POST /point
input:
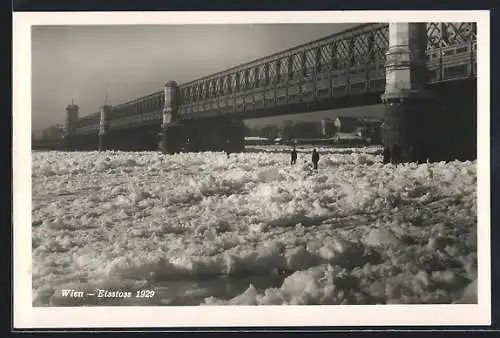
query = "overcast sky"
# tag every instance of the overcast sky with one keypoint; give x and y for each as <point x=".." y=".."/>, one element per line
<point x="133" y="61"/>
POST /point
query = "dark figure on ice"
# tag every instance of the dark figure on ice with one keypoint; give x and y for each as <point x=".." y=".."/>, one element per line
<point x="294" y="155"/>
<point x="315" y="159"/>
<point x="228" y="151"/>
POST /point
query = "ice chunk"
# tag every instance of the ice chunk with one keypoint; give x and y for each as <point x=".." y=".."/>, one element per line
<point x="382" y="237"/>
<point x="469" y="295"/>
<point x="246" y="298"/>
<point x="299" y="259"/>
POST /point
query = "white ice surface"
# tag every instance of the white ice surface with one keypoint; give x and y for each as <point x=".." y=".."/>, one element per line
<point x="202" y="229"/>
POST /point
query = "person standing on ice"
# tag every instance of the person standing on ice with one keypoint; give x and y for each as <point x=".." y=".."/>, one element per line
<point x="228" y="151"/>
<point x="294" y="155"/>
<point x="315" y="159"/>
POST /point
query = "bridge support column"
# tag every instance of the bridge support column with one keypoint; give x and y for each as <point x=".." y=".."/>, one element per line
<point x="68" y="140"/>
<point x="406" y="97"/>
<point x="172" y="138"/>
<point x="103" y="143"/>
<point x="171" y="130"/>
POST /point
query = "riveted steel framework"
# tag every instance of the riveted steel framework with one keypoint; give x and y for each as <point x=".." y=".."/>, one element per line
<point x="341" y="65"/>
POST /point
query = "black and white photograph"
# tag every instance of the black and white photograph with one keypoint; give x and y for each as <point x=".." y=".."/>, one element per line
<point x="267" y="163"/>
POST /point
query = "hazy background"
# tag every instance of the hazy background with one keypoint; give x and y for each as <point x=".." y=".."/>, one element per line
<point x="133" y="61"/>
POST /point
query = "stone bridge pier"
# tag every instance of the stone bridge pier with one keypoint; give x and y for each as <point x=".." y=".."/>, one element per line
<point x="406" y="95"/>
<point x="69" y="141"/>
<point x="421" y="123"/>
<point x="172" y="133"/>
<point x="104" y="135"/>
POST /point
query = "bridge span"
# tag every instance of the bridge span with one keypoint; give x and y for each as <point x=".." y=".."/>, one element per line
<point x="424" y="74"/>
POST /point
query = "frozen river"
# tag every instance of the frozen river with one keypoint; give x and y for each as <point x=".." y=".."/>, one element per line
<point x="199" y="228"/>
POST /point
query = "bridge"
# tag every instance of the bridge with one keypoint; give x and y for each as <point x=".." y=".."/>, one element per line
<point x="424" y="74"/>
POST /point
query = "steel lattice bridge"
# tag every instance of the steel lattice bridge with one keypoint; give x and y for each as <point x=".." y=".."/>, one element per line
<point x="351" y="68"/>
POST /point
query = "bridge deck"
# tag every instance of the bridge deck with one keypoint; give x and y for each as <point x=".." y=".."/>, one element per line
<point x="337" y="71"/>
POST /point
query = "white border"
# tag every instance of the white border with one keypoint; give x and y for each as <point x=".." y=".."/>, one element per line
<point x="25" y="316"/>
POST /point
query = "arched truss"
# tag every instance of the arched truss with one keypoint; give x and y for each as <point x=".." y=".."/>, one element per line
<point x="442" y="34"/>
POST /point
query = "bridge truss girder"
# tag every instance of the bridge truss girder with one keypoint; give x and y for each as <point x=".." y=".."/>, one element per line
<point x="348" y="63"/>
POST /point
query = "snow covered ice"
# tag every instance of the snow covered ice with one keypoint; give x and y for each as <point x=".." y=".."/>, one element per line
<point x="201" y="229"/>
